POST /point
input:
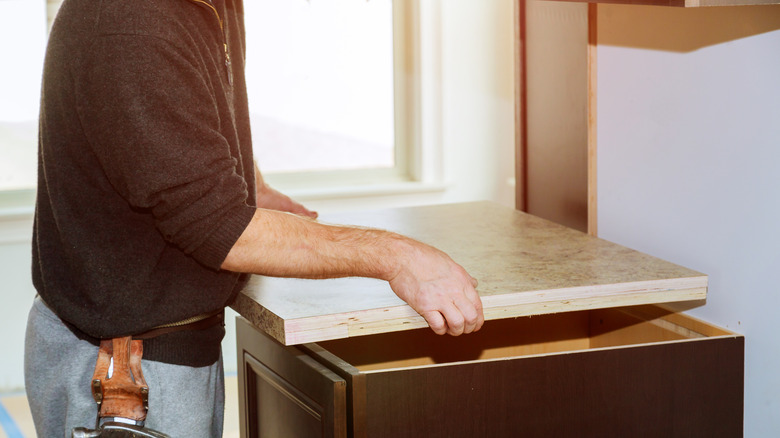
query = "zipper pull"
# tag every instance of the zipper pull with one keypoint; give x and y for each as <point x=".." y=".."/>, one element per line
<point x="228" y="66"/>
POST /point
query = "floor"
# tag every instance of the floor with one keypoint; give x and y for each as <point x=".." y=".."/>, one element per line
<point x="16" y="422"/>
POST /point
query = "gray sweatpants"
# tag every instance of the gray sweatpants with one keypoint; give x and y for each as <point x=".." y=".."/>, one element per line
<point x="184" y="401"/>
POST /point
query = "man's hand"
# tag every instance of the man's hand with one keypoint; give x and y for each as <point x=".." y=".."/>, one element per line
<point x="439" y="289"/>
<point x="271" y="199"/>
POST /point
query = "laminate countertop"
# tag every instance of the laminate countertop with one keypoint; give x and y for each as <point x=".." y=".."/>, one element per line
<point x="525" y="266"/>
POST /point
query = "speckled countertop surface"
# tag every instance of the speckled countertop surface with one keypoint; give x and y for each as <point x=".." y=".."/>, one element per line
<point x="525" y="265"/>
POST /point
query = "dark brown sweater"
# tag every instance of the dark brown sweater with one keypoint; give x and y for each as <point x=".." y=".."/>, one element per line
<point x="145" y="169"/>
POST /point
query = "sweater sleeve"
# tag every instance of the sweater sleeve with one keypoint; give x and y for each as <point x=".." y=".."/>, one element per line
<point x="155" y="120"/>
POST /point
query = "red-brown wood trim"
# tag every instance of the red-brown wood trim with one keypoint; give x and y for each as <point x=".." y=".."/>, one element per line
<point x="592" y="116"/>
<point x="521" y="109"/>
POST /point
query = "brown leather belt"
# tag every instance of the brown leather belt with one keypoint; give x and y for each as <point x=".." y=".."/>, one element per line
<point x="199" y="322"/>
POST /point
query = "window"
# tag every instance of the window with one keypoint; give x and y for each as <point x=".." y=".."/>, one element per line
<point x="326" y="92"/>
<point x="327" y="82"/>
<point x="22" y="45"/>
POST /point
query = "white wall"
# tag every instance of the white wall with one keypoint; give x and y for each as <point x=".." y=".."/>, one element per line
<point x="472" y="83"/>
<point x="17" y="291"/>
<point x="689" y="164"/>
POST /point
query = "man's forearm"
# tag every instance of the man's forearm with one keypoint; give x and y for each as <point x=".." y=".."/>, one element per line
<point x="284" y="245"/>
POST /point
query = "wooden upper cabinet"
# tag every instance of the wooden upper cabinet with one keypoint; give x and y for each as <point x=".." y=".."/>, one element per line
<point x="683" y="3"/>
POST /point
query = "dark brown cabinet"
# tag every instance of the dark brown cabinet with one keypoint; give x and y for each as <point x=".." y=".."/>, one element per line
<point x="593" y="359"/>
<point x="638" y="372"/>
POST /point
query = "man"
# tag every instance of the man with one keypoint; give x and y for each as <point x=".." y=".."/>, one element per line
<point x="150" y="211"/>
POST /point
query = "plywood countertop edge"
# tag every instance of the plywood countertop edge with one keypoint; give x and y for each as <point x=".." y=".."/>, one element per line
<point x="528" y="303"/>
<point x="259" y="316"/>
<point x="648" y="287"/>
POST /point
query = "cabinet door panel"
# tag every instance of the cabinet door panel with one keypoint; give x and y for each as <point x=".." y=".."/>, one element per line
<point x="284" y="392"/>
<point x="677" y="389"/>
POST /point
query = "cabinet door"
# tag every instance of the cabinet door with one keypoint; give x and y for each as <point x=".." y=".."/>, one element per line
<point x="285" y="393"/>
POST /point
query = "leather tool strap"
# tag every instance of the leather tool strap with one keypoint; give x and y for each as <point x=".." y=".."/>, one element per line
<point x="125" y="394"/>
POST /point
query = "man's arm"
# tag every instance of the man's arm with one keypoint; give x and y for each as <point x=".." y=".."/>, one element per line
<point x="285" y="245"/>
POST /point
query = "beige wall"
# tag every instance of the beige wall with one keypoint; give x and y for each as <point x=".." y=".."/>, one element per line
<point x="52" y="6"/>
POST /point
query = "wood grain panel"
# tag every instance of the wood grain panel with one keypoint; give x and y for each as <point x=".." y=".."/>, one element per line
<point x="593" y="179"/>
<point x="666" y="390"/>
<point x="504" y="338"/>
<point x="521" y="109"/>
<point x="525" y="266"/>
<point x="556" y="160"/>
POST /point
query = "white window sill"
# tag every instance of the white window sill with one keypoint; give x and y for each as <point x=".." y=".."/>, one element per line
<point x="17" y="204"/>
<point x="360" y="191"/>
<point x="20" y="204"/>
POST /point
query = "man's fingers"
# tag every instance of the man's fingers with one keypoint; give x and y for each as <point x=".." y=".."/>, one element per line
<point x="299" y="209"/>
<point x="461" y="311"/>
<point x="472" y="314"/>
<point x="477" y="302"/>
<point x="436" y="322"/>
<point x="440" y="290"/>
<point x="462" y="316"/>
<point x="272" y="199"/>
<point x="456" y="322"/>
<point x="303" y="211"/>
